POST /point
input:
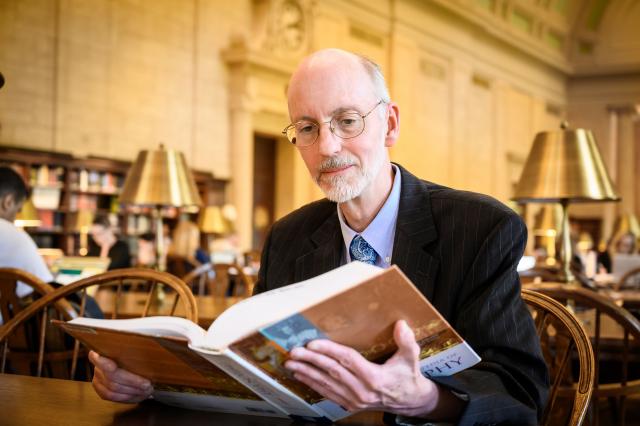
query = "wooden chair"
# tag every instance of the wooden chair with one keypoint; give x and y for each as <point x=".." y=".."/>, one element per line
<point x="58" y="354"/>
<point x="199" y="279"/>
<point x="560" y="333"/>
<point x="180" y="265"/>
<point x="629" y="281"/>
<point x="225" y="273"/>
<point x="10" y="303"/>
<point x="614" y="331"/>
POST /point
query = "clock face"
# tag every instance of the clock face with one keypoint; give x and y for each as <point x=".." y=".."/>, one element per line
<point x="291" y="25"/>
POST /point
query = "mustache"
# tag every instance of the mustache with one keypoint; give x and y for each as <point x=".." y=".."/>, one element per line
<point x="336" y="163"/>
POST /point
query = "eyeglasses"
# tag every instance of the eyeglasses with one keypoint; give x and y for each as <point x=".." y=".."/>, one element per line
<point x="345" y="125"/>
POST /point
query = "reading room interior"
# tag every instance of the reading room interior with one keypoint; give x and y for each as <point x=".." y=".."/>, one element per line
<point x="196" y="160"/>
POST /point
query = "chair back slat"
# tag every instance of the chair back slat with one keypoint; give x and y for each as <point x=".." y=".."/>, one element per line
<point x="5" y="350"/>
<point x="150" y="296"/>
<point x="43" y="332"/>
<point x="174" y="305"/>
<point x="83" y="301"/>
<point x="116" y="302"/>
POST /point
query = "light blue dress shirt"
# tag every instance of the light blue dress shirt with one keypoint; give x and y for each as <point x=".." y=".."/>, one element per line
<point x="382" y="230"/>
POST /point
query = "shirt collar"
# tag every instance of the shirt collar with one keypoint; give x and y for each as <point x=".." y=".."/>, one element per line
<point x="382" y="229"/>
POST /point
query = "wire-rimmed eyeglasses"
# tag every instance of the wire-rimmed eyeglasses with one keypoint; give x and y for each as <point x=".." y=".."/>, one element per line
<point x="345" y="125"/>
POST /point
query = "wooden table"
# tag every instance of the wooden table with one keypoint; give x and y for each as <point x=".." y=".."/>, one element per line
<point x="131" y="305"/>
<point x="36" y="401"/>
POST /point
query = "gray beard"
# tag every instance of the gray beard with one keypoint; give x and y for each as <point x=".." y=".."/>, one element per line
<point x="338" y="188"/>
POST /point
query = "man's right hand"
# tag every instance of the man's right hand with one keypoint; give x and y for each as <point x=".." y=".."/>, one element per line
<point x="115" y="384"/>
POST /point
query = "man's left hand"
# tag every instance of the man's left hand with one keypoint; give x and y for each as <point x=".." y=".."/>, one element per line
<point x="342" y="375"/>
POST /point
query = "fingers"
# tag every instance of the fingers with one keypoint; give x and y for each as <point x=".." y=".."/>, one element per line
<point x="408" y="350"/>
<point x="115" y="384"/>
<point x="326" y="367"/>
<point x="319" y="382"/>
<point x="336" y="355"/>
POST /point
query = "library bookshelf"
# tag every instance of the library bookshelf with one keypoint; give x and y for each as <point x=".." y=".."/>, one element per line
<point x="64" y="185"/>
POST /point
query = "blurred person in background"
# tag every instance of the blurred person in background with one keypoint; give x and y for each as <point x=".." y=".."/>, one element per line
<point x="17" y="249"/>
<point x="146" y="256"/>
<point x="625" y="244"/>
<point x="185" y="242"/>
<point x="104" y="243"/>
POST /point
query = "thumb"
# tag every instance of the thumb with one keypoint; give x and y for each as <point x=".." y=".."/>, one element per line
<point x="103" y="363"/>
<point x="408" y="349"/>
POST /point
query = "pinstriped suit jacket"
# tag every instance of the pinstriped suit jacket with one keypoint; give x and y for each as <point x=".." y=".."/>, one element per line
<point x="460" y="249"/>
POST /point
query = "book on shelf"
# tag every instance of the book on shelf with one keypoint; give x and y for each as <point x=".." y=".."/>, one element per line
<point x="238" y="364"/>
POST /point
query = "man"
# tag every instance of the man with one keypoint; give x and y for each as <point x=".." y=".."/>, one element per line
<point x="17" y="249"/>
<point x="459" y="249"/>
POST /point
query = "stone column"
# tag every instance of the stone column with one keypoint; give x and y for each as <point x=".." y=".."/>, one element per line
<point x="611" y="160"/>
<point x="241" y="153"/>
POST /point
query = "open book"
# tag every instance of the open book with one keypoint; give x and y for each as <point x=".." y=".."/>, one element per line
<point x="237" y="365"/>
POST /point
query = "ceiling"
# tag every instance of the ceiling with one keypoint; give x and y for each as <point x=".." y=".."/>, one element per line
<point x="579" y="37"/>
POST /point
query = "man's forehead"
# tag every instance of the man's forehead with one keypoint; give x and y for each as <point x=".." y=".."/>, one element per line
<point x="322" y="95"/>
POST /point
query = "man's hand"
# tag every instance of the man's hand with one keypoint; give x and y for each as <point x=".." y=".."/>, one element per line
<point x="115" y="384"/>
<point x="342" y="375"/>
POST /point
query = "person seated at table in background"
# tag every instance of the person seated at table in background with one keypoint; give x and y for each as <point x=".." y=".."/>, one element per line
<point x="185" y="243"/>
<point x="625" y="243"/>
<point x="17" y="249"/>
<point x="226" y="249"/>
<point x="604" y="258"/>
<point x="146" y="256"/>
<point x="104" y="243"/>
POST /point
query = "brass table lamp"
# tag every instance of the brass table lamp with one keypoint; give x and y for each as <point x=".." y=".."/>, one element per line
<point x="212" y="221"/>
<point x="626" y="223"/>
<point x="159" y="179"/>
<point x="564" y="166"/>
<point x="82" y="223"/>
<point x="546" y="227"/>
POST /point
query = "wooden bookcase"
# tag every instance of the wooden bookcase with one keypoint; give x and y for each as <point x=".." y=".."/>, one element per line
<point x="62" y="185"/>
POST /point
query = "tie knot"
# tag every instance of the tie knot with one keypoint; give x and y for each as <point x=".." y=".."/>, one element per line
<point x="362" y="251"/>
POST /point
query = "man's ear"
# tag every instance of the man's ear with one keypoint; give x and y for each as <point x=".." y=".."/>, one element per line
<point x="393" y="125"/>
<point x="6" y="201"/>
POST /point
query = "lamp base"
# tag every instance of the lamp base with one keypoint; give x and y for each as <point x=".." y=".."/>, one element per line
<point x="566" y="253"/>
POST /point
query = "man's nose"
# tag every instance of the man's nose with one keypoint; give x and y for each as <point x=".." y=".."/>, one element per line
<point x="328" y="143"/>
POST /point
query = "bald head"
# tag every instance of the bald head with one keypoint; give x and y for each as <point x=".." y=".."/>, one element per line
<point x="324" y="65"/>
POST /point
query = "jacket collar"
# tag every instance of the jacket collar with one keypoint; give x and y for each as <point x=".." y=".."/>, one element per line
<point x="415" y="230"/>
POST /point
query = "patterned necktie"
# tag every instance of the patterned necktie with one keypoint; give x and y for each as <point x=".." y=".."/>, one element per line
<point x="362" y="251"/>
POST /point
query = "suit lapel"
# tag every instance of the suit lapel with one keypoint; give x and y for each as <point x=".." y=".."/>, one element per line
<point x="415" y="229"/>
<point x="325" y="252"/>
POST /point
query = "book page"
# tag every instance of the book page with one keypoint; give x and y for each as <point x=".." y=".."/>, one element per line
<point x="245" y="317"/>
<point x="167" y="361"/>
<point x="164" y="326"/>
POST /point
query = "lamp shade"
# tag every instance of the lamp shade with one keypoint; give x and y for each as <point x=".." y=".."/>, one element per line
<point x="626" y="223"/>
<point x="211" y="221"/>
<point x="565" y="165"/>
<point x="28" y="216"/>
<point x="160" y="178"/>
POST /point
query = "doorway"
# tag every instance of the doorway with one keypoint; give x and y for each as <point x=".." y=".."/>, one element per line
<point x="264" y="183"/>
